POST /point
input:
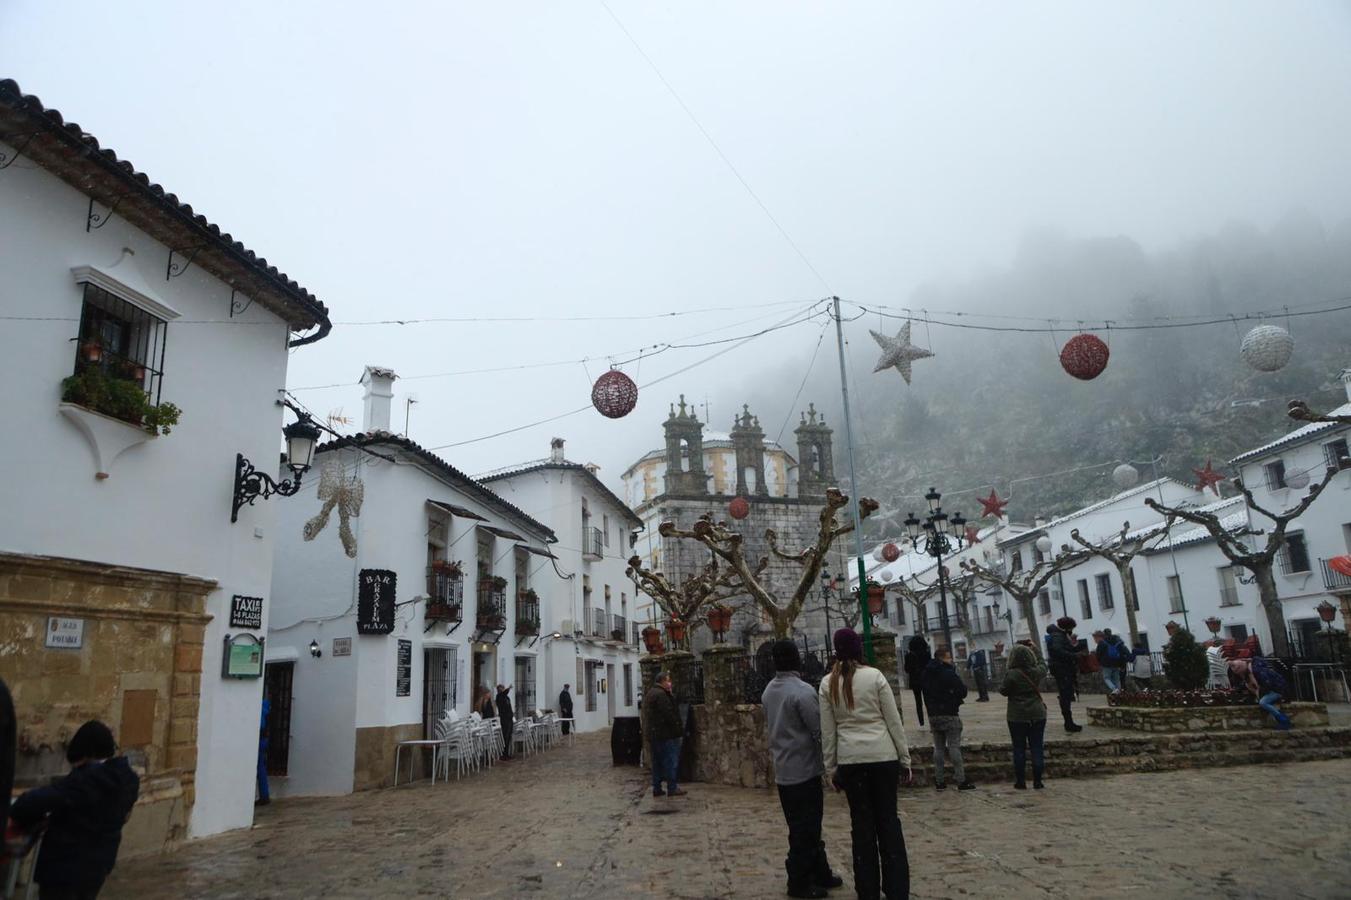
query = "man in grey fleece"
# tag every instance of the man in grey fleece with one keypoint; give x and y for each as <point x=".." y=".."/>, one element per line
<point x="793" y="714"/>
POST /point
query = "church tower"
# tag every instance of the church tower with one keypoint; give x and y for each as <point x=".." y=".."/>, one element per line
<point x="816" y="465"/>
<point x="685" y="475"/>
<point x="748" y="443"/>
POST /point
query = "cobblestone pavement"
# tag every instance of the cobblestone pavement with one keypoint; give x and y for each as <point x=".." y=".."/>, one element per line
<point x="567" y="824"/>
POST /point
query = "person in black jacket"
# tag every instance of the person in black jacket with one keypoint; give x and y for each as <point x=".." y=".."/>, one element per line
<point x="944" y="692"/>
<point x="84" y="813"/>
<point x="1064" y="664"/>
<point x="917" y="659"/>
<point x="507" y="717"/>
<point x="662" y="726"/>
<point x="565" y="707"/>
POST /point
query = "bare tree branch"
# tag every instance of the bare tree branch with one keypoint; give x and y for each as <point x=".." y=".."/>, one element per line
<point x="1299" y="410"/>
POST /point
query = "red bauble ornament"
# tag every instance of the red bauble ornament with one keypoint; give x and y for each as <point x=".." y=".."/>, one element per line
<point x="890" y="552"/>
<point x="739" y="508"/>
<point x="1084" y="356"/>
<point x="1208" y="478"/>
<point x="614" y="395"/>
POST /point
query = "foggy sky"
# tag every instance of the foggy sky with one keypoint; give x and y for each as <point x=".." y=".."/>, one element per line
<point x="523" y="159"/>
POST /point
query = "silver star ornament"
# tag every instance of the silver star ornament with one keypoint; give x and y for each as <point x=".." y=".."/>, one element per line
<point x="898" y="352"/>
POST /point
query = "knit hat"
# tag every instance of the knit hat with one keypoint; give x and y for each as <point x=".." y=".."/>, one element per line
<point x="848" y="645"/>
<point x="1065" y="623"/>
<point x="93" y="740"/>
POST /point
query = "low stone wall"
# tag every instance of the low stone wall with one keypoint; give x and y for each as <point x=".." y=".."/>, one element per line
<point x="731" y="745"/>
<point x="1204" y="718"/>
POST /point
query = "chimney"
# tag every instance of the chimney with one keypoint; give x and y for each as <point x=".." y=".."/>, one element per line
<point x="592" y="468"/>
<point x="379" y="385"/>
<point x="1346" y="380"/>
<point x="556" y="450"/>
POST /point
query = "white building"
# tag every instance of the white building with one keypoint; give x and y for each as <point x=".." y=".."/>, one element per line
<point x="597" y="648"/>
<point x="118" y="545"/>
<point x="368" y="650"/>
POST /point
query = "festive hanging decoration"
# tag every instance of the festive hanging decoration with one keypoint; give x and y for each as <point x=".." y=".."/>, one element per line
<point x="1125" y="476"/>
<point x="898" y="352"/>
<point x="1208" y="478"/>
<point x="1084" y="356"/>
<point x="885" y="576"/>
<point x="1267" y="348"/>
<point x="336" y="489"/>
<point x="614" y="395"/>
<point x="1341" y="564"/>
<point x="739" y="508"/>
<point x="972" y="534"/>
<point x="890" y="552"/>
<point x="993" y="506"/>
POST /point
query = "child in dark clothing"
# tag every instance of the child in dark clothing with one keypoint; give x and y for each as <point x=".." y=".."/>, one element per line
<point x="84" y="812"/>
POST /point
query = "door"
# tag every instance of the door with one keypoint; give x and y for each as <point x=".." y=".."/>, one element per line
<point x="484" y="677"/>
<point x="277" y="678"/>
<point x="610" y="693"/>
<point x="438" y="687"/>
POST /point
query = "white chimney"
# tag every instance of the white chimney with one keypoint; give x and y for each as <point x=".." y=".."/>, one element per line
<point x="379" y="385"/>
<point x="556" y="450"/>
<point x="1346" y="380"/>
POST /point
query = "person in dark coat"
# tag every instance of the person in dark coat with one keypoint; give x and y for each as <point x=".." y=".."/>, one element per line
<point x="661" y="724"/>
<point x="565" y="707"/>
<point x="917" y="659"/>
<point x="944" y="692"/>
<point x="977" y="665"/>
<point x="84" y="814"/>
<point x="1064" y="661"/>
<point x="264" y="795"/>
<point x="505" y="714"/>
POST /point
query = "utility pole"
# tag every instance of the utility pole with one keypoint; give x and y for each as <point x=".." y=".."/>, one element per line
<point x="853" y="493"/>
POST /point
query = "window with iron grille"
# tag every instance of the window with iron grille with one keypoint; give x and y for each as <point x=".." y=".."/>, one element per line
<point x="628" y="684"/>
<point x="1174" y="594"/>
<point x="1044" y="603"/>
<point x="1337" y="455"/>
<point x="525" y="685"/>
<point x="591" y="685"/>
<point x="1275" y="475"/>
<point x="121" y="342"/>
<point x="1104" y="586"/>
<point x="1015" y="560"/>
<point x="1294" y="556"/>
<point x="1085" y="605"/>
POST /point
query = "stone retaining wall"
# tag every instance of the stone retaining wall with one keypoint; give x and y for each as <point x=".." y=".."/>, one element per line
<point x="1205" y="718"/>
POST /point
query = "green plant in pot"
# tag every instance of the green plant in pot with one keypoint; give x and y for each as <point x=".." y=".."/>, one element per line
<point x="119" y="398"/>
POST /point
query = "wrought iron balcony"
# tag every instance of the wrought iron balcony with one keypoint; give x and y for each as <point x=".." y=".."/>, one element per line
<point x="593" y="543"/>
<point x="618" y="628"/>
<point x="492" y="606"/>
<point x="527" y="615"/>
<point x="1334" y="580"/>
<point x="445" y="594"/>
<point x="1228" y="597"/>
<point x="597" y="623"/>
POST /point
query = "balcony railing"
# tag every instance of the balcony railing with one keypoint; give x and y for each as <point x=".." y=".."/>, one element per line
<point x="593" y="543"/>
<point x="1334" y="580"/>
<point x="618" y="628"/>
<point x="597" y="623"/>
<point x="527" y="615"/>
<point x="492" y="606"/>
<point x="1228" y="597"/>
<point x="637" y="634"/>
<point x="445" y="595"/>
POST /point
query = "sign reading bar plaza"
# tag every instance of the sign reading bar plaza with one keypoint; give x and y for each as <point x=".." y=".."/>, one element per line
<point x="246" y="612"/>
<point x="375" y="601"/>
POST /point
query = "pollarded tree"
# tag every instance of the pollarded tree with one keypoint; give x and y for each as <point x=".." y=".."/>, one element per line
<point x="1259" y="562"/>
<point x="713" y="585"/>
<point x="1120" y="553"/>
<point x="1300" y="410"/>
<point x="729" y="546"/>
<point x="1025" y="584"/>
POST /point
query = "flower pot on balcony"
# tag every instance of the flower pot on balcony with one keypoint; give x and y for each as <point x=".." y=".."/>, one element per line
<point x="91" y="351"/>
<point x="498" y="583"/>
<point x="526" y="627"/>
<point x="442" y="612"/>
<point x="451" y="569"/>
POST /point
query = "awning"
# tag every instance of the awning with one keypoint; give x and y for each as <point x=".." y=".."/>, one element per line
<point x="456" y="510"/>
<point x="535" y="550"/>
<point x="501" y="532"/>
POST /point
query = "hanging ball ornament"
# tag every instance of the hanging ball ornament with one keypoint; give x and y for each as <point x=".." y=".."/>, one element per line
<point x="885" y="576"/>
<point x="614" y="395"/>
<point x="1125" y="476"/>
<point x="1044" y="544"/>
<point x="739" y="508"/>
<point x="1084" y="356"/>
<point x="1267" y="348"/>
<point x="890" y="552"/>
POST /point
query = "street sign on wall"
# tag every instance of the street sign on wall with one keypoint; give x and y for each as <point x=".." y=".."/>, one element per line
<point x="375" y="601"/>
<point x="64" y="634"/>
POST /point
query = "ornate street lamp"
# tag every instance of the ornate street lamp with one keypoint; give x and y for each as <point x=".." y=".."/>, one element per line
<point x="938" y="535"/>
<point x="825" y="601"/>
<point x="250" y="484"/>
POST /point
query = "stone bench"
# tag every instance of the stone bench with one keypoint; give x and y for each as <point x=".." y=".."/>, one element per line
<point x="1204" y="718"/>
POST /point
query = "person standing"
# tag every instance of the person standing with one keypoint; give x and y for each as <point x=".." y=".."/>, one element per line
<point x="917" y="659"/>
<point x="976" y="664"/>
<point x="565" y="707"/>
<point x="793" y="720"/>
<point x="661" y="722"/>
<point x="84" y="811"/>
<point x="1026" y="714"/>
<point x="507" y="716"/>
<point x="1064" y="661"/>
<point x="264" y="794"/>
<point x="1114" y="657"/>
<point x="943" y="695"/>
<point x="863" y="747"/>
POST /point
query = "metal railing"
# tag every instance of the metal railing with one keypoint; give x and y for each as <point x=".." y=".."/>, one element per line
<point x="492" y="606"/>
<point x="1332" y="579"/>
<point x="445" y="595"/>
<point x="619" y="628"/>
<point x="597" y="623"/>
<point x="527" y="615"/>
<point x="1228" y="597"/>
<point x="593" y="543"/>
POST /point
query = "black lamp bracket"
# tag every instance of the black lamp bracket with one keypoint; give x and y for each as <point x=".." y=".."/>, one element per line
<point x="250" y="484"/>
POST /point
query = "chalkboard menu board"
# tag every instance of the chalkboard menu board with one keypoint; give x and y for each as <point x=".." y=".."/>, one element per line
<point x="403" y="670"/>
<point x="375" y="601"/>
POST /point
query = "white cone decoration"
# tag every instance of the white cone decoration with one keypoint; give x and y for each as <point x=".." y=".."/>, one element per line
<point x="1267" y="348"/>
<point x="1297" y="480"/>
<point x="885" y="576"/>
<point x="1125" y="476"/>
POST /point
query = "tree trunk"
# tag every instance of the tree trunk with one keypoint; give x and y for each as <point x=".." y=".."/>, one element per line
<point x="1030" y="618"/>
<point x="1271" y="605"/>
<point x="1128" y="590"/>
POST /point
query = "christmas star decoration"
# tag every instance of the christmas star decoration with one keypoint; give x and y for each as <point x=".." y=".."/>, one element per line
<point x="1209" y="478"/>
<point x="972" y="534"/>
<point x="897" y="352"/>
<point x="993" y="506"/>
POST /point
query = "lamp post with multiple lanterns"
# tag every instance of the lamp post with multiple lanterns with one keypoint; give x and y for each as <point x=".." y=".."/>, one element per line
<point x="938" y="535"/>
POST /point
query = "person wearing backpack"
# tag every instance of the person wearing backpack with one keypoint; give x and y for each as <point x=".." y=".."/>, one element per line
<point x="944" y="692"/>
<point x="1115" y="658"/>
<point x="1265" y="683"/>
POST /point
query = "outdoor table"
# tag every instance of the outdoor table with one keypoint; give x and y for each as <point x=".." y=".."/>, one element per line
<point x="572" y="728"/>
<point x="398" y="749"/>
<point x="1331" y="669"/>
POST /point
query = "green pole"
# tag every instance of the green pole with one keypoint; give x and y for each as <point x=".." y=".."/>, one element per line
<point x="853" y="495"/>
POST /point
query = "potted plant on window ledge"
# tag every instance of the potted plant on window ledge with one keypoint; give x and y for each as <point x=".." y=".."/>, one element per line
<point x="119" y="398"/>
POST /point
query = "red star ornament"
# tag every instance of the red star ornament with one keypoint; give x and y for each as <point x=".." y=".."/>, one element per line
<point x="972" y="534"/>
<point x="993" y="506"/>
<point x="1208" y="478"/>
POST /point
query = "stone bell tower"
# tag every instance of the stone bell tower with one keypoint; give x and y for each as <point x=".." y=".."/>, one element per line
<point x="748" y="443"/>
<point x="816" y="464"/>
<point x="685" y="476"/>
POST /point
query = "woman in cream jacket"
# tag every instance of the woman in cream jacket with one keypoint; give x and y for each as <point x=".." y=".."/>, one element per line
<point x="863" y="743"/>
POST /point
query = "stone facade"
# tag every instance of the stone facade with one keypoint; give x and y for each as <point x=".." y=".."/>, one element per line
<point x="375" y="751"/>
<point x="139" y="670"/>
<point x="1205" y="718"/>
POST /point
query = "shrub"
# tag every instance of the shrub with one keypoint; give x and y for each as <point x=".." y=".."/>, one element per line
<point x="120" y="398"/>
<point x="1184" y="662"/>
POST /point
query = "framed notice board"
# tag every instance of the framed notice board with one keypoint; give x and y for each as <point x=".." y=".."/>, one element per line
<point x="375" y="601"/>
<point x="243" y="656"/>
